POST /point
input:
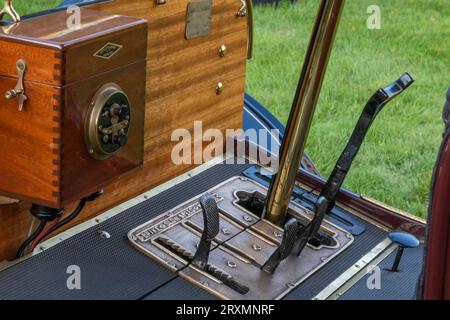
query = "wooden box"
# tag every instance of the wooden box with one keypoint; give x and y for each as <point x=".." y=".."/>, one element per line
<point x="82" y="124"/>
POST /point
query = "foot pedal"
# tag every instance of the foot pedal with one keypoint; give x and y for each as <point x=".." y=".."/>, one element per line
<point x="211" y="223"/>
<point x="291" y="229"/>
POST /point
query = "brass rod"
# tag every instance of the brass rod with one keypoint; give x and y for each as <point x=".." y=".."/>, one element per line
<point x="300" y="118"/>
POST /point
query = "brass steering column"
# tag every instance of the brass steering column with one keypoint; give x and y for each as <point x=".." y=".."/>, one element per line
<point x="307" y="94"/>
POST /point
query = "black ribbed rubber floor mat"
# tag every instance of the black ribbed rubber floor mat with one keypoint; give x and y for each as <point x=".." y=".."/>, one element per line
<point x="181" y="289"/>
<point x="112" y="269"/>
<point x="400" y="285"/>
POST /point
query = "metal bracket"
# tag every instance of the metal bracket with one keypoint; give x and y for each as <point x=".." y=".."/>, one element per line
<point x="19" y="90"/>
<point x="9" y="9"/>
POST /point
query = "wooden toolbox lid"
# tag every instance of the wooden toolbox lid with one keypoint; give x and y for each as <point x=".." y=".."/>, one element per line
<point x="58" y="55"/>
<point x="52" y="30"/>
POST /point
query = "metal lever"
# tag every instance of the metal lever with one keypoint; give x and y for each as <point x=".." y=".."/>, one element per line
<point x="19" y="91"/>
<point x="404" y="241"/>
<point x="8" y="9"/>
<point x="329" y="193"/>
<point x="246" y="10"/>
<point x="211" y="224"/>
<point x="291" y="230"/>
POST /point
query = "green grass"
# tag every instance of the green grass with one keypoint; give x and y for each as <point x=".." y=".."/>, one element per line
<point x="396" y="162"/>
<point x="32" y="6"/>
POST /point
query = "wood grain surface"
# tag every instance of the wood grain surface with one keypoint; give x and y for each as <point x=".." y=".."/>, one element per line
<point x="181" y="88"/>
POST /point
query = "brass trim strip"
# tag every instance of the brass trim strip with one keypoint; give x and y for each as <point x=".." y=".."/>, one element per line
<point x="383" y="248"/>
<point x="249" y="28"/>
<point x="374" y="263"/>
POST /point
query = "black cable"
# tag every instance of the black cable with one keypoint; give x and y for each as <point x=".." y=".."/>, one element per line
<point x="30" y="239"/>
<point x="65" y="221"/>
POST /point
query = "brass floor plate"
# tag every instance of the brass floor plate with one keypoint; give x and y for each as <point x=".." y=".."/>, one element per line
<point x="243" y="245"/>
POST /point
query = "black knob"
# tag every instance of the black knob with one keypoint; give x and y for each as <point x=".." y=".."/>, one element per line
<point x="124" y="111"/>
<point x="115" y="110"/>
<point x="105" y="121"/>
<point x="121" y="140"/>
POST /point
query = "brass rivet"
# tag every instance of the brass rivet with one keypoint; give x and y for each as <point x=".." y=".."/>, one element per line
<point x="219" y="88"/>
<point x="232" y="264"/>
<point x="10" y="94"/>
<point x="256" y="247"/>
<point x="103" y="234"/>
<point x="248" y="218"/>
<point x="222" y="51"/>
<point x="226" y="232"/>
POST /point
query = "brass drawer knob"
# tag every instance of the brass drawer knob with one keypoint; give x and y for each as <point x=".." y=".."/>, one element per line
<point x="223" y="51"/>
<point x="219" y="88"/>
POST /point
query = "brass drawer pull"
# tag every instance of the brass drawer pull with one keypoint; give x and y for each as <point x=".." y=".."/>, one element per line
<point x="246" y="10"/>
<point x="8" y="9"/>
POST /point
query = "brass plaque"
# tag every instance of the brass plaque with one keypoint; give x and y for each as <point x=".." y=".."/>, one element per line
<point x="108" y="50"/>
<point x="198" y="19"/>
<point x="243" y="245"/>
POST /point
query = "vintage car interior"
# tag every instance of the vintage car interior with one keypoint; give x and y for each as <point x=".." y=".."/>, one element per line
<point x="88" y="180"/>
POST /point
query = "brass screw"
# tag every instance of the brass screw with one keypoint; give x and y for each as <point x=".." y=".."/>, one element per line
<point x="219" y="88"/>
<point x="222" y="51"/>
<point x="256" y="247"/>
<point x="278" y="234"/>
<point x="10" y="94"/>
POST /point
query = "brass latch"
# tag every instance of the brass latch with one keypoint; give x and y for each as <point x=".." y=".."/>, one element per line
<point x="8" y="9"/>
<point x="19" y="91"/>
